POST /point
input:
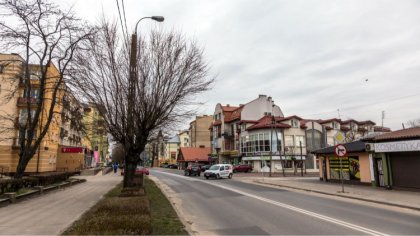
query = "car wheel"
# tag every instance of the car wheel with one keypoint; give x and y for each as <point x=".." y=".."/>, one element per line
<point x="207" y="177"/>
<point x="230" y="176"/>
<point x="234" y="171"/>
<point x="217" y="176"/>
<point x="185" y="173"/>
<point x="246" y="171"/>
<point x="199" y="174"/>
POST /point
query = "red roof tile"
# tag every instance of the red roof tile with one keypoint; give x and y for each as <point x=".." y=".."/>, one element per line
<point x="234" y="115"/>
<point x="188" y="154"/>
<point x="329" y="120"/>
<point x="265" y="123"/>
<point x="411" y="133"/>
<point x="228" y="108"/>
<point x="381" y="129"/>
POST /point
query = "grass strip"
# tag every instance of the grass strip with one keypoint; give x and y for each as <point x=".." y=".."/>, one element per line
<point x="165" y="221"/>
<point x="150" y="214"/>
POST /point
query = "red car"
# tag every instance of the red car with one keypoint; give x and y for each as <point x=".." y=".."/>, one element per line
<point x="242" y="168"/>
<point x="139" y="170"/>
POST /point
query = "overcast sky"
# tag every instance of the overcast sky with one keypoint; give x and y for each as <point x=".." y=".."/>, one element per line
<point x="312" y="57"/>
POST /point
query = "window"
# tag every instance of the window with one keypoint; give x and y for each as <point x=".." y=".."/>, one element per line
<point x="2" y="68"/>
<point x="300" y="139"/>
<point x="335" y="125"/>
<point x="295" y="123"/>
<point x="23" y="116"/>
<point x="222" y="168"/>
<point x="288" y="140"/>
<point x="34" y="93"/>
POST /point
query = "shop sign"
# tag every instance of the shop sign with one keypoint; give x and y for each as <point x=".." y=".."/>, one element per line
<point x="401" y="146"/>
<point x="72" y="150"/>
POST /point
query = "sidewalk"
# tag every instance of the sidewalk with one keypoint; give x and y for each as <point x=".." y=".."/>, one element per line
<point x="399" y="198"/>
<point x="52" y="213"/>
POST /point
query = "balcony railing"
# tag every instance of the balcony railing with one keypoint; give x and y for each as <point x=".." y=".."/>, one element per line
<point x="24" y="101"/>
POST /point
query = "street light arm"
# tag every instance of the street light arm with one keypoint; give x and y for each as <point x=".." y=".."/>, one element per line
<point x="156" y="18"/>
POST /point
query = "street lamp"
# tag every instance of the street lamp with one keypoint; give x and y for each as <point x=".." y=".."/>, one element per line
<point x="132" y="78"/>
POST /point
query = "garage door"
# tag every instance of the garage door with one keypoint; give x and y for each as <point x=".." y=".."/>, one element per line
<point x="405" y="169"/>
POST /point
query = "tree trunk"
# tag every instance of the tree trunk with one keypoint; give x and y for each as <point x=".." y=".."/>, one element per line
<point x="23" y="162"/>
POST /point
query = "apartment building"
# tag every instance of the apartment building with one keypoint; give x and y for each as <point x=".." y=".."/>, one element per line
<point x="71" y="153"/>
<point x="95" y="140"/>
<point x="184" y="138"/>
<point x="199" y="131"/>
<point x="14" y="112"/>
<point x="230" y="124"/>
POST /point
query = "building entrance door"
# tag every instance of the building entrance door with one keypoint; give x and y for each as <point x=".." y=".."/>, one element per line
<point x="380" y="171"/>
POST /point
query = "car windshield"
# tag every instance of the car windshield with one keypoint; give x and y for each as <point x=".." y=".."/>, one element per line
<point x="214" y="168"/>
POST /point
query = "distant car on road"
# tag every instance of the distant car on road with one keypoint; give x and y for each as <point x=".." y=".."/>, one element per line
<point x="242" y="168"/>
<point x="219" y="171"/>
<point x="192" y="170"/>
<point x="164" y="165"/>
<point x="173" y="166"/>
<point x="205" y="167"/>
<point x="139" y="170"/>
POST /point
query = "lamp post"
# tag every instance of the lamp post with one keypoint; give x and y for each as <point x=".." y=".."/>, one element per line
<point x="133" y="72"/>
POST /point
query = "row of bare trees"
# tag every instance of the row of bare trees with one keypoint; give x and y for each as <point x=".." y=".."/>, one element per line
<point x="94" y="62"/>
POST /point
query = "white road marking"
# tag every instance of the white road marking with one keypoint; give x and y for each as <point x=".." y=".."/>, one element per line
<point x="290" y="207"/>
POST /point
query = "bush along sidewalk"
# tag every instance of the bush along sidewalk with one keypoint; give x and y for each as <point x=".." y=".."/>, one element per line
<point x="13" y="190"/>
<point x="130" y="211"/>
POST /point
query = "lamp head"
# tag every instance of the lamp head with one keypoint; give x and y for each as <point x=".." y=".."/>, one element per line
<point x="158" y="18"/>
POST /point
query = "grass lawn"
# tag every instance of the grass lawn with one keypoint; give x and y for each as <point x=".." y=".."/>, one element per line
<point x="150" y="214"/>
<point x="164" y="218"/>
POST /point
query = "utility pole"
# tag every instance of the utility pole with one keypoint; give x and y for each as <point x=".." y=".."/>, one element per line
<point x="271" y="144"/>
<point x="383" y="117"/>
<point x="301" y="159"/>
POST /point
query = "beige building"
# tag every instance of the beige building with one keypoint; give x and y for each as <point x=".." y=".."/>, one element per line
<point x="71" y="153"/>
<point x="184" y="138"/>
<point x="14" y="112"/>
<point x="199" y="131"/>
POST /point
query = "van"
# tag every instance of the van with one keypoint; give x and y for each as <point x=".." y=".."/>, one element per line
<point x="219" y="171"/>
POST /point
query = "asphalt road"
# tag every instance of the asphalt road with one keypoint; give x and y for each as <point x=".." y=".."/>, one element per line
<point x="231" y="207"/>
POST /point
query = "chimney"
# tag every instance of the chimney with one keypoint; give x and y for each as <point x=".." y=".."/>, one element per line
<point x="227" y="105"/>
<point x="269" y="99"/>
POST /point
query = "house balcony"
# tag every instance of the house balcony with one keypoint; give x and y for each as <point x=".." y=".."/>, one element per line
<point x="232" y="153"/>
<point x="23" y="101"/>
<point x="34" y="83"/>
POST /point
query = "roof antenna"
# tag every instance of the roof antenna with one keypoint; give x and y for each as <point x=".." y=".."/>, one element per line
<point x="339" y="116"/>
<point x="403" y="125"/>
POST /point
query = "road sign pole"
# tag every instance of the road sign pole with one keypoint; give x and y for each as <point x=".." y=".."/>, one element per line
<point x="341" y="176"/>
<point x="340" y="150"/>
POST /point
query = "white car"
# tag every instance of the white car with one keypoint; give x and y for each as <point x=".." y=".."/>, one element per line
<point x="219" y="171"/>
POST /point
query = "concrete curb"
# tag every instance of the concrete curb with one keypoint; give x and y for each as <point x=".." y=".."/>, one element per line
<point x="339" y="195"/>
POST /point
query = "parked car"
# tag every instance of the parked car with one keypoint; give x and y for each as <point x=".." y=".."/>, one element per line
<point x="139" y="170"/>
<point x="173" y="166"/>
<point x="242" y="168"/>
<point x="205" y="167"/>
<point x="192" y="170"/>
<point x="164" y="165"/>
<point x="219" y="171"/>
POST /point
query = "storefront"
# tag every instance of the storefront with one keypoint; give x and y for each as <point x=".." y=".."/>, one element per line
<point x="354" y="167"/>
<point x="399" y="155"/>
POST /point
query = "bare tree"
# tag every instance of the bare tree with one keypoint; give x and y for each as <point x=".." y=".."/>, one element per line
<point x="171" y="72"/>
<point x="47" y="38"/>
<point x="413" y="123"/>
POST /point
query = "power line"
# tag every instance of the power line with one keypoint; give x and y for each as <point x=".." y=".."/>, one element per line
<point x="125" y="19"/>
<point x="122" y="25"/>
<point x="365" y="105"/>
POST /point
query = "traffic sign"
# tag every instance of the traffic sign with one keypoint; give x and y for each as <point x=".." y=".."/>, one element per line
<point x="339" y="137"/>
<point x="340" y="150"/>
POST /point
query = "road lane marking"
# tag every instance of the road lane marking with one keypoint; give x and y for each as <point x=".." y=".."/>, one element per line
<point x="283" y="205"/>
